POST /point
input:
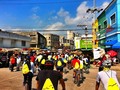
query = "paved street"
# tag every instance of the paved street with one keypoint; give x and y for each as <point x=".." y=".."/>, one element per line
<point x="13" y="80"/>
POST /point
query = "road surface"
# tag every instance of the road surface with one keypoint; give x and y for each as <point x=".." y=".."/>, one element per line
<point x="13" y="80"/>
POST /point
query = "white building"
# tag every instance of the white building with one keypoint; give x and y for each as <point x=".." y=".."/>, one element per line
<point x="70" y="35"/>
<point x="12" y="40"/>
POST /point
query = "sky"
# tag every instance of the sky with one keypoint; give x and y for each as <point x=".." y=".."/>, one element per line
<point x="55" y="16"/>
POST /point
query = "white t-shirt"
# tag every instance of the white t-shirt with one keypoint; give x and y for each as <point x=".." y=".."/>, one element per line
<point x="104" y="77"/>
<point x="18" y="60"/>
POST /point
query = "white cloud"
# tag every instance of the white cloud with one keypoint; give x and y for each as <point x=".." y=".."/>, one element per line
<point x="55" y="26"/>
<point x="63" y="13"/>
<point x="35" y="9"/>
<point x="104" y="5"/>
<point x="81" y="16"/>
<point x="35" y="16"/>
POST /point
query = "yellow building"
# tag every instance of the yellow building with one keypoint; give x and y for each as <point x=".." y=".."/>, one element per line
<point x="94" y="33"/>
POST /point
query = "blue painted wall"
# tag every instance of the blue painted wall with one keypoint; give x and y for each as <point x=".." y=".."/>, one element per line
<point x="109" y="12"/>
<point x="118" y="14"/>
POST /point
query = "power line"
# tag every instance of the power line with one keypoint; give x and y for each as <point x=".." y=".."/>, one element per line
<point x="46" y="30"/>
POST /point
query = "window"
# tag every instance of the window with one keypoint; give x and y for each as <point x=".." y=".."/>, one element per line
<point x="112" y="18"/>
<point x="13" y="43"/>
<point x="1" y="42"/>
<point x="105" y="24"/>
<point x="99" y="27"/>
<point x="23" y="43"/>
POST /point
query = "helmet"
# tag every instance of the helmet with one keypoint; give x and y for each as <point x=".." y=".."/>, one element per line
<point x="106" y="63"/>
<point x="49" y="65"/>
<point x="76" y="57"/>
<point x="49" y="57"/>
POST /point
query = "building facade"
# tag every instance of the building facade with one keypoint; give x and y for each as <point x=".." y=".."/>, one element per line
<point x="37" y="39"/>
<point x="95" y="35"/>
<point x="12" y="40"/>
<point x="70" y="35"/>
<point x="52" y="41"/>
<point x="109" y="26"/>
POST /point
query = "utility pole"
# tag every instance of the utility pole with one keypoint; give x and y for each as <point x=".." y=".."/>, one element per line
<point x="84" y="27"/>
<point x="94" y="30"/>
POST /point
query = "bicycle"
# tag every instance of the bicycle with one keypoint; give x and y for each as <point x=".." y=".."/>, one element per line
<point x="27" y="84"/>
<point x="86" y="68"/>
<point x="28" y="81"/>
<point x="77" y="78"/>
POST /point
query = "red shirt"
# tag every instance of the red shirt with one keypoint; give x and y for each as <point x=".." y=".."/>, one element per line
<point x="74" y="61"/>
<point x="32" y="58"/>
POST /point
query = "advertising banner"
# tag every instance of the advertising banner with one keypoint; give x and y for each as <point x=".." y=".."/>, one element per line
<point x="87" y="44"/>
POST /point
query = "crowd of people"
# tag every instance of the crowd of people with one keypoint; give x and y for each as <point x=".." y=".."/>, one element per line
<point x="51" y="66"/>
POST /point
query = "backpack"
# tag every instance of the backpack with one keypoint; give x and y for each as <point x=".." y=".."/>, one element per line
<point x="25" y="69"/>
<point x="77" y="66"/>
<point x="112" y="84"/>
<point x="59" y="63"/>
<point x="42" y="61"/>
<point x="48" y="85"/>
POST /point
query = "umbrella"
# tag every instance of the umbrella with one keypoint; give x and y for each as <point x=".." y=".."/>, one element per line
<point x="112" y="53"/>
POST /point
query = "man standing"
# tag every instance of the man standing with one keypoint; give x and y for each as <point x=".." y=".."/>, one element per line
<point x="107" y="77"/>
<point x="47" y="79"/>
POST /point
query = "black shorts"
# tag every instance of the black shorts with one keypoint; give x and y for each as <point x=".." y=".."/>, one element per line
<point x="60" y="68"/>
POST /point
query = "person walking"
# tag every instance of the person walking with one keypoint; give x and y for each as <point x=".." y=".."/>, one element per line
<point x="18" y="61"/>
<point x="47" y="79"/>
<point x="12" y="62"/>
<point x="108" y="77"/>
<point x="28" y="70"/>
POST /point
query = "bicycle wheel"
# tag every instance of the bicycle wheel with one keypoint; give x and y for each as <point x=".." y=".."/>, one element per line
<point x="26" y="86"/>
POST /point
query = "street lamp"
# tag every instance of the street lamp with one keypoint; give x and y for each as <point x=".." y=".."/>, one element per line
<point x="93" y="10"/>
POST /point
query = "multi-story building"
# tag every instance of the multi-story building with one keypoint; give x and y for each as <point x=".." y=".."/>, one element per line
<point x="62" y="40"/>
<point x="37" y="39"/>
<point x="108" y="26"/>
<point x="69" y="44"/>
<point x="52" y="41"/>
<point x="12" y="40"/>
<point x="95" y="34"/>
<point x="70" y="35"/>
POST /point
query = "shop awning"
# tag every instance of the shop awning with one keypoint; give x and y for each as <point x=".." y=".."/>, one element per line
<point x="116" y="45"/>
<point x="110" y="42"/>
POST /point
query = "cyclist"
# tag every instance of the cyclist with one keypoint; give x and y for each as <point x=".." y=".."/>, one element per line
<point x="48" y="78"/>
<point x="105" y="74"/>
<point x="76" y="69"/>
<point x="69" y="61"/>
<point x="86" y="65"/>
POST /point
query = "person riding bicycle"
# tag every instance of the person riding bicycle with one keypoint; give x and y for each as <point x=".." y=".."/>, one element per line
<point x="76" y="68"/>
<point x="86" y="64"/>
<point x="47" y="79"/>
<point x="106" y="74"/>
